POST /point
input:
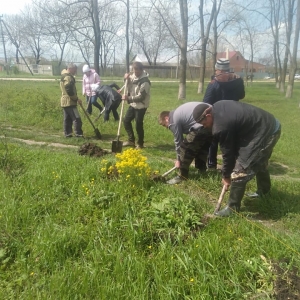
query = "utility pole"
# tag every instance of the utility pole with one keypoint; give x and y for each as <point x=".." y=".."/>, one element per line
<point x="4" y="49"/>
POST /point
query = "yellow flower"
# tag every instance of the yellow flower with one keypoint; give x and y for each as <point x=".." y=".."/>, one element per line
<point x="149" y="247"/>
<point x="192" y="280"/>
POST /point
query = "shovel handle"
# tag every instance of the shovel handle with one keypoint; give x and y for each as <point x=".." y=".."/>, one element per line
<point x="221" y="197"/>
<point x="88" y="117"/>
<point x="168" y="172"/>
<point x="121" y="113"/>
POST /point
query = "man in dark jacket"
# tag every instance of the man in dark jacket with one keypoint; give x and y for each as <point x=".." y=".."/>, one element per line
<point x="247" y="136"/>
<point x="191" y="139"/>
<point x="224" y="86"/>
<point x="110" y="98"/>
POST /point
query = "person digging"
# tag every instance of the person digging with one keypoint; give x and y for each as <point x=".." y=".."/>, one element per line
<point x="247" y="136"/>
<point x="192" y="140"/>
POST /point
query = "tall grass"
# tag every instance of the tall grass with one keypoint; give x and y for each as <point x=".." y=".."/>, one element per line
<point x="68" y="231"/>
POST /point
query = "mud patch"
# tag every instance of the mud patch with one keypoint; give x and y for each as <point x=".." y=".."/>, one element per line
<point x="157" y="178"/>
<point x="287" y="283"/>
<point x="92" y="149"/>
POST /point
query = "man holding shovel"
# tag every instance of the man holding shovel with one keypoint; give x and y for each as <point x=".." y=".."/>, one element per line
<point x="194" y="145"/>
<point x="138" y="98"/>
<point x="69" y="100"/>
<point x="247" y="136"/>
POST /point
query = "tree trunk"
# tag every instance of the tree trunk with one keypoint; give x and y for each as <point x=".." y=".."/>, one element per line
<point x="202" y="67"/>
<point x="293" y="64"/>
<point x="204" y="39"/>
<point x="127" y="36"/>
<point x="97" y="32"/>
<point x="183" y="49"/>
<point x="289" y="25"/>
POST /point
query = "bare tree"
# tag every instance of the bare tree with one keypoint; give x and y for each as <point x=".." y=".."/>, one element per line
<point x="151" y="35"/>
<point x="58" y="28"/>
<point x="293" y="63"/>
<point x="179" y="35"/>
<point x="204" y="40"/>
<point x="274" y="19"/>
<point x="14" y="26"/>
<point x="289" y="15"/>
<point x="34" y="33"/>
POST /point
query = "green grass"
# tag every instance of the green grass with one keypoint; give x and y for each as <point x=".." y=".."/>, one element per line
<point x="69" y="232"/>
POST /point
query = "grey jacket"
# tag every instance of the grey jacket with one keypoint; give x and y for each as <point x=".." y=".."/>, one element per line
<point x="181" y="122"/>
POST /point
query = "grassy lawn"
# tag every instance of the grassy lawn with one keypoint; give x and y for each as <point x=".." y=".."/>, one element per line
<point x="70" y="231"/>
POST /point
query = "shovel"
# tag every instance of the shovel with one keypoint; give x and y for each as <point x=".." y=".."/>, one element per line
<point x="96" y="130"/>
<point x="161" y="178"/>
<point x="117" y="145"/>
<point x="168" y="172"/>
<point x="102" y="111"/>
<point x="220" y="199"/>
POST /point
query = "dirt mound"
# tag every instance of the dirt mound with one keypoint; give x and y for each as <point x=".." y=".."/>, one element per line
<point x="91" y="149"/>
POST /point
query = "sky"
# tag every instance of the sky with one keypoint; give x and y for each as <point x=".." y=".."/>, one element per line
<point x="12" y="7"/>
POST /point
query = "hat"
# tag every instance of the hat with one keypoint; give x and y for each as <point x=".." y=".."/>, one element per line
<point x="86" y="68"/>
<point x="198" y="112"/>
<point x="222" y="64"/>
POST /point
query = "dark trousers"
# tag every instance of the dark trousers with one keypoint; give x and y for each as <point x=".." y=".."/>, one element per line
<point x="258" y="168"/>
<point x="113" y="108"/>
<point x="138" y="116"/>
<point x="194" y="146"/>
<point x="92" y="100"/>
<point x="212" y="154"/>
<point x="71" y="115"/>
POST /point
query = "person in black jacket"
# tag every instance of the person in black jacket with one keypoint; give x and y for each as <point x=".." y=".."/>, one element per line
<point x="247" y="136"/>
<point x="224" y="85"/>
<point x="110" y="98"/>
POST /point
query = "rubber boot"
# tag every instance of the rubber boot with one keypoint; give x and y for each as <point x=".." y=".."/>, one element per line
<point x="263" y="182"/>
<point x="237" y="191"/>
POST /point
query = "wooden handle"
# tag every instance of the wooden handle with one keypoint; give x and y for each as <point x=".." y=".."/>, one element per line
<point x="168" y="172"/>
<point x="86" y="114"/>
<point x="122" y="107"/>
<point x="220" y="198"/>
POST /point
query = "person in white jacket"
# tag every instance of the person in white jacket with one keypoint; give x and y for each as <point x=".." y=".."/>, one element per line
<point x="90" y="77"/>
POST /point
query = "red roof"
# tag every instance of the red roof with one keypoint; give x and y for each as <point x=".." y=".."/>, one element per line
<point x="230" y="54"/>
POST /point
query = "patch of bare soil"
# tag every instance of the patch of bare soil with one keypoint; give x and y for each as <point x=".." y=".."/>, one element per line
<point x="287" y="283"/>
<point x="92" y="149"/>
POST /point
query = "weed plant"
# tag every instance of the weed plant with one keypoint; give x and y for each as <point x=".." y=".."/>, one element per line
<point x="70" y="231"/>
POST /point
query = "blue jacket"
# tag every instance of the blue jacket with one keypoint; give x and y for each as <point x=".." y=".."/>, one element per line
<point x="229" y="90"/>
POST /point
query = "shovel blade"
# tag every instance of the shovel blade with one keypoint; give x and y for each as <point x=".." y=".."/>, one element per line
<point x="116" y="146"/>
<point x="98" y="134"/>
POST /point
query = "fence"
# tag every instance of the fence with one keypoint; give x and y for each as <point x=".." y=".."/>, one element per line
<point x="118" y="70"/>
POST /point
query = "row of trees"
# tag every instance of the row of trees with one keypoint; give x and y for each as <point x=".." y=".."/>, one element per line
<point x="104" y="32"/>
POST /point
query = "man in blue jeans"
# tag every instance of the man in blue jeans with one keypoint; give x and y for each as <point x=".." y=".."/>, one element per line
<point x="138" y="98"/>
